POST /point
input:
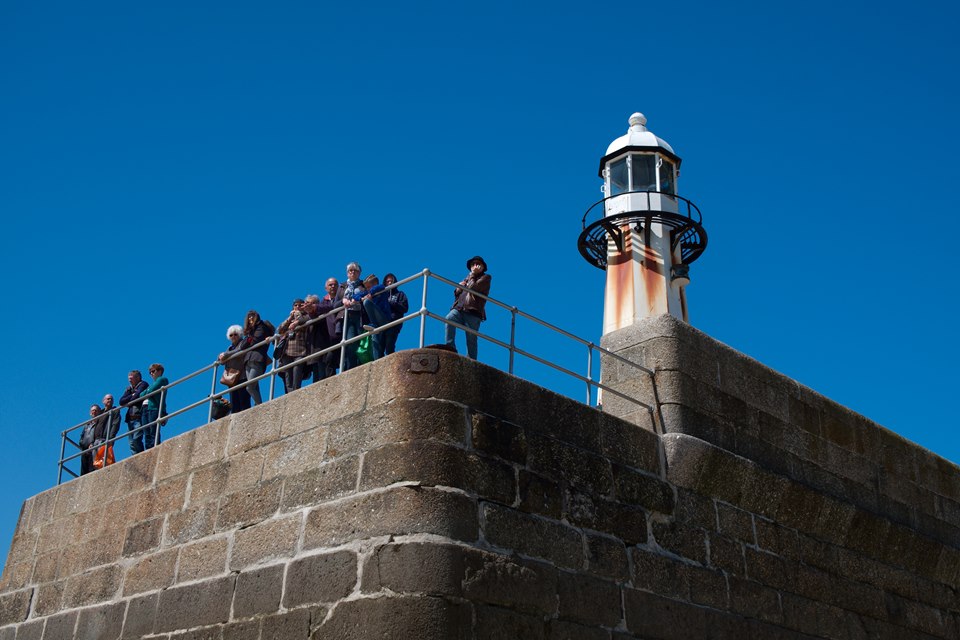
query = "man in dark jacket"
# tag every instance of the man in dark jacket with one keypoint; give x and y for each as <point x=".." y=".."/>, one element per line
<point x="133" y="417"/>
<point x="331" y="361"/>
<point x="469" y="309"/>
<point x="87" y="438"/>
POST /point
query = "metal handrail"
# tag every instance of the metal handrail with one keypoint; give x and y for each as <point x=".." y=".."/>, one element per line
<point x="690" y="206"/>
<point x="423" y="313"/>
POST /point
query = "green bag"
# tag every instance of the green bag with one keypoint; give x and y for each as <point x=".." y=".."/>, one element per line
<point x="365" y="350"/>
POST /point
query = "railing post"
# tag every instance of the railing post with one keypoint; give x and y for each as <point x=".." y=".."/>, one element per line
<point x="163" y="404"/>
<point x="63" y="446"/>
<point x="213" y="390"/>
<point x="513" y="336"/>
<point x="343" y="337"/>
<point x="423" y="308"/>
<point x="589" y="371"/>
<point x="273" y="376"/>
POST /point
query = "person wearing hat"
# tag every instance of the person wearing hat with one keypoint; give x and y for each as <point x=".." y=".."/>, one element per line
<point x="468" y="308"/>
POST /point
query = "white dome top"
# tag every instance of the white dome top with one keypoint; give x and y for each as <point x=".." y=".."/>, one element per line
<point x="637" y="136"/>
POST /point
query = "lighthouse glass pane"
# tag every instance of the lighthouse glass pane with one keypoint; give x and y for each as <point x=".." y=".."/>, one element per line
<point x="644" y="172"/>
<point x="618" y="177"/>
<point x="666" y="177"/>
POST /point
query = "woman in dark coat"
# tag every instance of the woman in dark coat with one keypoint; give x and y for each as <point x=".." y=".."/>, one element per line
<point x="256" y="330"/>
<point x="232" y="359"/>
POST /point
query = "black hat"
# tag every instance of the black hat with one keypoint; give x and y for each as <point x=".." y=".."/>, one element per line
<point x="477" y="259"/>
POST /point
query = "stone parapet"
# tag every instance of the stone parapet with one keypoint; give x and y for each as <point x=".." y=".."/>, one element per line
<point x="426" y="495"/>
<point x="712" y="392"/>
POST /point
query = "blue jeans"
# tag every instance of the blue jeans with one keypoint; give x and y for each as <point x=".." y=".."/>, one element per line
<point x="251" y="371"/>
<point x="390" y="339"/>
<point x="470" y="320"/>
<point x="352" y="327"/>
<point x="150" y="433"/>
<point x="136" y="439"/>
<point x="377" y="318"/>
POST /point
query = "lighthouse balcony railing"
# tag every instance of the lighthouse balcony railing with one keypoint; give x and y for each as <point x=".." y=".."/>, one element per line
<point x="518" y="347"/>
<point x="640" y="201"/>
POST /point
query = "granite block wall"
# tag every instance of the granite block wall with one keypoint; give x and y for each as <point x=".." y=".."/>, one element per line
<point x="429" y="496"/>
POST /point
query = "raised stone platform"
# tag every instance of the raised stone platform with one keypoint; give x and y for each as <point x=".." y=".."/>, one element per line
<point x="429" y="496"/>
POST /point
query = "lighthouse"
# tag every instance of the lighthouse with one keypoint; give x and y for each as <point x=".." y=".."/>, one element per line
<point x="642" y="233"/>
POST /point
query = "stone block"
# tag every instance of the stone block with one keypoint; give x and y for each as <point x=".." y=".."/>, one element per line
<point x="173" y="458"/>
<point x="687" y="542"/>
<point x="208" y="483"/>
<point x="254" y="428"/>
<point x="141" y="616"/>
<point x="539" y="495"/>
<point x="588" y="600"/>
<point x="138" y="471"/>
<point x="244" y="470"/>
<point x="643" y="490"/>
<point x="326" y="577"/>
<point x="694" y="509"/>
<point x="101" y="623"/>
<point x="522" y="585"/>
<point x="754" y="600"/>
<point x="399" y="421"/>
<point x="268" y="540"/>
<point x="195" y="605"/>
<point x="533" y="536"/>
<point x="283" y="626"/>
<point x="627" y="444"/>
<point x="19" y="575"/>
<point x="626" y="522"/>
<point x="167" y="496"/>
<point x="397" y="618"/>
<point x="32" y="630"/>
<point x="497" y="438"/>
<point x="150" y="573"/>
<point x="396" y="511"/>
<point x="438" y="464"/>
<point x="15" y="606"/>
<point x="143" y="537"/>
<point x="258" y="592"/>
<point x="328" y="481"/>
<point x="429" y="568"/>
<point x="42" y="507"/>
<point x="563" y="630"/>
<point x="665" y="575"/>
<point x="210" y="443"/>
<point x="202" y="559"/>
<point x="771" y="570"/>
<point x="652" y="616"/>
<point x="45" y="568"/>
<point x="735" y="523"/>
<point x="726" y="554"/>
<point x="324" y="402"/>
<point x="48" y="599"/>
<point x="582" y="470"/>
<point x="190" y="524"/>
<point x="98" y="585"/>
<point x="243" y="630"/>
<point x="60" y="626"/>
<point x="249" y="506"/>
<point x="607" y="557"/>
<point x="707" y="587"/>
<point x="295" y="453"/>
<point x="494" y="623"/>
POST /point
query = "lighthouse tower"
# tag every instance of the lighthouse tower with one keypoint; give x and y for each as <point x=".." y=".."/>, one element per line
<point x="642" y="232"/>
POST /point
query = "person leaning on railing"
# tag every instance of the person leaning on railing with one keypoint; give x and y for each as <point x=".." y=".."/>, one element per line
<point x="233" y="365"/>
<point x="469" y="309"/>
<point x="399" y="305"/>
<point x="328" y="328"/>
<point x="298" y="343"/>
<point x="87" y="438"/>
<point x="255" y="331"/>
<point x="349" y="294"/>
<point x="153" y="408"/>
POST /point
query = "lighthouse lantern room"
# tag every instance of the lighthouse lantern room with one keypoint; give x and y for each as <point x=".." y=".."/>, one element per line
<point x="643" y="233"/>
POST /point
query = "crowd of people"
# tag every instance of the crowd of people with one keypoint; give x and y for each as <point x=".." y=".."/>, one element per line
<point x="314" y="325"/>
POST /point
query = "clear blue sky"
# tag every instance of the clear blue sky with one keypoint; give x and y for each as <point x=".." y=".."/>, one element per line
<point x="165" y="167"/>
